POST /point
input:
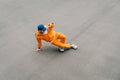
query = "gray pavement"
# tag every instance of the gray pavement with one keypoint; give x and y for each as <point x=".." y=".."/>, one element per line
<point x="94" y="25"/>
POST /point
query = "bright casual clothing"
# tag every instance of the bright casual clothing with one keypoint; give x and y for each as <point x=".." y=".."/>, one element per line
<point x="55" y="38"/>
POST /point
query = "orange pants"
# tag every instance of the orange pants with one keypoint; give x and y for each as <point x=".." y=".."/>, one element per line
<point x="60" y="40"/>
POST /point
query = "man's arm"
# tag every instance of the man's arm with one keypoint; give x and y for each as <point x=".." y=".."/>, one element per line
<point x="39" y="42"/>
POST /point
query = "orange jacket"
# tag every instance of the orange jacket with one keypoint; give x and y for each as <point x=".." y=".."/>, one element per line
<point x="47" y="37"/>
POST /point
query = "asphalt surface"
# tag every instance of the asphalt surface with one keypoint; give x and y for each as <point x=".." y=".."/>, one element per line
<point x="94" y="25"/>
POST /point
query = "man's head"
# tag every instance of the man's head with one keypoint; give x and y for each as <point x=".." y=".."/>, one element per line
<point x="41" y="28"/>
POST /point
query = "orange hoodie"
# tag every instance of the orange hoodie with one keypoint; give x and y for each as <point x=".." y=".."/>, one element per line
<point x="47" y="37"/>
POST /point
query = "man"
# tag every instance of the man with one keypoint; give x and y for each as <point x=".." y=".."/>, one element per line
<point x="46" y="32"/>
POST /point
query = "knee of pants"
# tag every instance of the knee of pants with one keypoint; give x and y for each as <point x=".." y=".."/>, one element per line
<point x="62" y="38"/>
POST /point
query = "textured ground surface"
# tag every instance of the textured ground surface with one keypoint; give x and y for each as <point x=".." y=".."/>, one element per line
<point x="94" y="25"/>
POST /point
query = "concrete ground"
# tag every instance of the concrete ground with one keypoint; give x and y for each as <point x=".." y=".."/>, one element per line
<point x="94" y="25"/>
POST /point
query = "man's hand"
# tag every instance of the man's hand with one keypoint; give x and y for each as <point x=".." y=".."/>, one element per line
<point x="37" y="49"/>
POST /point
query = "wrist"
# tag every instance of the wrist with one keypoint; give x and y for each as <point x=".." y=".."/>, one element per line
<point x="38" y="47"/>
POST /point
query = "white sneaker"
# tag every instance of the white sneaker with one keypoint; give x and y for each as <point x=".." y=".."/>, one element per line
<point x="73" y="46"/>
<point x="61" y="49"/>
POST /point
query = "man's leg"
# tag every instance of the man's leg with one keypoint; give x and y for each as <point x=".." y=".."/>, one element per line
<point x="60" y="41"/>
<point x="60" y="44"/>
<point x="61" y="37"/>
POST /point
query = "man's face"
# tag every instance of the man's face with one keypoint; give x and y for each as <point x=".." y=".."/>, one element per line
<point x="41" y="31"/>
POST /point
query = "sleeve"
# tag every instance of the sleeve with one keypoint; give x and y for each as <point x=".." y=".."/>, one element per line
<point x="38" y="41"/>
<point x="50" y="26"/>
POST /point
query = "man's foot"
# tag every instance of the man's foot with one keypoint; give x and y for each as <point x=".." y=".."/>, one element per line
<point x="73" y="46"/>
<point x="61" y="49"/>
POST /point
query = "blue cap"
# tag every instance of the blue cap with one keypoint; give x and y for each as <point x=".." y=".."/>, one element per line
<point x="41" y="27"/>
